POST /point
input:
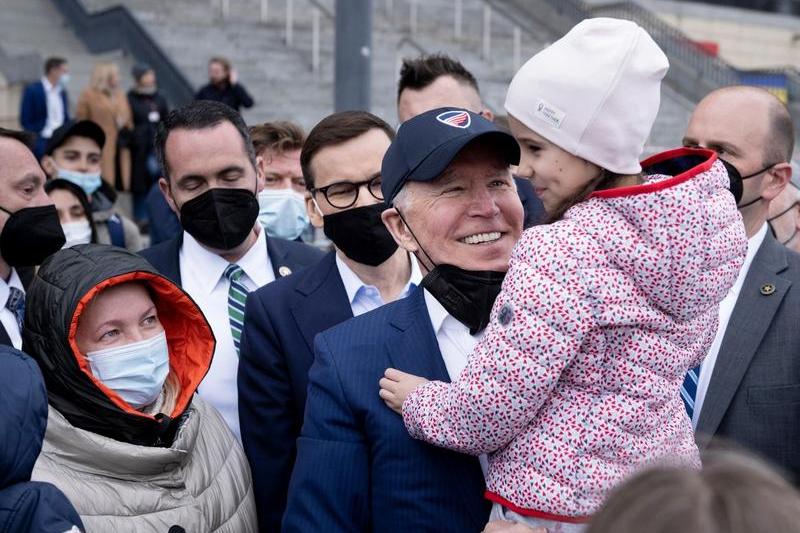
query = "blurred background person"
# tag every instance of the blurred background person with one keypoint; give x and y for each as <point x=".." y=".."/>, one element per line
<point x="147" y="107"/>
<point x="74" y="211"/>
<point x="45" y="104"/>
<point x="223" y="86"/>
<point x="104" y="103"/>
<point x="122" y="351"/>
<point x="282" y="204"/>
<point x="75" y="153"/>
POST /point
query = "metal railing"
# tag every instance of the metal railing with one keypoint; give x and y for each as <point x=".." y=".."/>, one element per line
<point x="115" y="28"/>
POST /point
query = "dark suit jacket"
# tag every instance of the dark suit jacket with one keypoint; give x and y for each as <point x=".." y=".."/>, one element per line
<point x="281" y="321"/>
<point x="164" y="224"/>
<point x="531" y="204"/>
<point x="753" y="398"/>
<point x="33" y="108"/>
<point x="357" y="469"/>
<point x="25" y="276"/>
<point x="286" y="256"/>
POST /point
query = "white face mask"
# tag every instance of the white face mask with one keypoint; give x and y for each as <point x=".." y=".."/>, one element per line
<point x="79" y="232"/>
<point x="136" y="371"/>
<point x="282" y="213"/>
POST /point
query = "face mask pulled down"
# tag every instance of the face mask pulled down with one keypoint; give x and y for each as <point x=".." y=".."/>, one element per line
<point x="468" y="295"/>
<point x="136" y="371"/>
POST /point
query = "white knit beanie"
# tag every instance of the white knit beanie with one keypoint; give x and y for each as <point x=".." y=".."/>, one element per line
<point x="593" y="93"/>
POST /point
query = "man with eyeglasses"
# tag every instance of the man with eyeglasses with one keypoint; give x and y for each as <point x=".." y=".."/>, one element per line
<point x="747" y="389"/>
<point x="341" y="163"/>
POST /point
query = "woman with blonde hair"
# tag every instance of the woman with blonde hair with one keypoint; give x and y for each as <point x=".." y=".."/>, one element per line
<point x="123" y="350"/>
<point x="105" y="103"/>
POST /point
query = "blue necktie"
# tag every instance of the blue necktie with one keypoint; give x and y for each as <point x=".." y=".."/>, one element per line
<point x="237" y="297"/>
<point x="689" y="389"/>
<point x="16" y="304"/>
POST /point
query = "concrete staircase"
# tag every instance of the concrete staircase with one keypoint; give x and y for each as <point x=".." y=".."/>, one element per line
<point x="30" y="27"/>
<point x="281" y="78"/>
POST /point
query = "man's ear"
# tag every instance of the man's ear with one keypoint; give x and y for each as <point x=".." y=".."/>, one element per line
<point x="776" y="180"/>
<point x="260" y="180"/>
<point x="487" y="114"/>
<point x="49" y="167"/>
<point x="400" y="232"/>
<point x="163" y="185"/>
<point x="314" y="214"/>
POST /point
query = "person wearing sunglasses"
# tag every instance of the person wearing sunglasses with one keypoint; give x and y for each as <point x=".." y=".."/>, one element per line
<point x="341" y="165"/>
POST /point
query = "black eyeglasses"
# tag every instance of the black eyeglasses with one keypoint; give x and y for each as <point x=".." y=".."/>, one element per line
<point x="344" y="194"/>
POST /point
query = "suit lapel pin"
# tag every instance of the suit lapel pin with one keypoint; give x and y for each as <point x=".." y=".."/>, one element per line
<point x="285" y="271"/>
<point x="767" y="289"/>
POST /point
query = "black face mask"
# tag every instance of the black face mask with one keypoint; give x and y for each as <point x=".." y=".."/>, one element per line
<point x="220" y="218"/>
<point x="31" y="235"/>
<point x="468" y="295"/>
<point x="360" y="234"/>
<point x="737" y="182"/>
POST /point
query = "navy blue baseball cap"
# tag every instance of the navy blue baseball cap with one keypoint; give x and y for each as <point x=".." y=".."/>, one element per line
<point x="426" y="145"/>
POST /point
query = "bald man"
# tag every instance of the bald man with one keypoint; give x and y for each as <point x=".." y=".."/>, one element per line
<point x="748" y="388"/>
<point x="784" y="217"/>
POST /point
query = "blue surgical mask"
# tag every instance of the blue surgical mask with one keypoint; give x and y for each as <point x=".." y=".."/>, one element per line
<point x="282" y="213"/>
<point x="87" y="181"/>
<point x="64" y="80"/>
<point x="136" y="371"/>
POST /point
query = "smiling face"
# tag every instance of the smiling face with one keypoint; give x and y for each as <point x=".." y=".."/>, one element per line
<point x="120" y="315"/>
<point x="469" y="217"/>
<point x="556" y="175"/>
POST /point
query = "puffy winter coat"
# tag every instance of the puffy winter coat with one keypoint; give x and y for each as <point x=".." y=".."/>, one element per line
<point x="26" y="505"/>
<point x="124" y="470"/>
<point x="576" y="382"/>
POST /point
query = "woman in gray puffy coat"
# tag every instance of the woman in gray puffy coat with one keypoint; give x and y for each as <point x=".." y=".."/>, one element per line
<point x="122" y="351"/>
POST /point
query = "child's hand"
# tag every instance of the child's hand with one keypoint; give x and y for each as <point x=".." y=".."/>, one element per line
<point x="396" y="386"/>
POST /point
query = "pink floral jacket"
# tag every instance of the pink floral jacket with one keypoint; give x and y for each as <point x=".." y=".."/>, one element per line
<point x="576" y="382"/>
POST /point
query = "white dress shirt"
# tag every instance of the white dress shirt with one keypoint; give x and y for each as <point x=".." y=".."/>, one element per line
<point x="455" y="343"/>
<point x="55" y="108"/>
<point x="7" y="318"/>
<point x="725" y="310"/>
<point x="202" y="276"/>
<point x="364" y="298"/>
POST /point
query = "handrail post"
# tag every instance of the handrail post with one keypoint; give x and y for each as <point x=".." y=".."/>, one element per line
<point x="264" y="11"/>
<point x="487" y="31"/>
<point x="412" y="16"/>
<point x="289" y="22"/>
<point x="517" y="48"/>
<point x="315" y="14"/>
<point x="458" y="16"/>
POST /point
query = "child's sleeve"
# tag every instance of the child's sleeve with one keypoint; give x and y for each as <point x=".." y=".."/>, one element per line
<point x="538" y="324"/>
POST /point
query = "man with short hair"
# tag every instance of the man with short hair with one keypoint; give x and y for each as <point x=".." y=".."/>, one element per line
<point x="784" y="217"/>
<point x="431" y="81"/>
<point x="75" y="153"/>
<point x="211" y="179"/>
<point x="748" y="388"/>
<point x="29" y="229"/>
<point x="341" y="162"/>
<point x="282" y="204"/>
<point x="223" y="86"/>
<point x="453" y="205"/>
<point x="45" y="105"/>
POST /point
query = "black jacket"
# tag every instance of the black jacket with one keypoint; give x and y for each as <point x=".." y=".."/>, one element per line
<point x="235" y="96"/>
<point x="148" y="110"/>
<point x="66" y="282"/>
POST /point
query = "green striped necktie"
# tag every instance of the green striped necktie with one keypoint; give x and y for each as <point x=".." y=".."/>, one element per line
<point x="237" y="296"/>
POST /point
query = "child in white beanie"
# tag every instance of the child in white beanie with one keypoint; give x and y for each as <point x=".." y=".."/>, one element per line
<point x="576" y="382"/>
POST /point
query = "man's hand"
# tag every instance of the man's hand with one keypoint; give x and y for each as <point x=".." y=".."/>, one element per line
<point x="396" y="386"/>
<point x="504" y="526"/>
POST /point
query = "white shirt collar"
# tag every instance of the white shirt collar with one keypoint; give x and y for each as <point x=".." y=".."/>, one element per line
<point x="753" y="244"/>
<point x="436" y="311"/>
<point x="13" y="281"/>
<point x="352" y="283"/>
<point x="49" y="87"/>
<point x="210" y="267"/>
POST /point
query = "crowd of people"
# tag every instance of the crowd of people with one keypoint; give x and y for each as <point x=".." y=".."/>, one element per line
<point x="510" y="326"/>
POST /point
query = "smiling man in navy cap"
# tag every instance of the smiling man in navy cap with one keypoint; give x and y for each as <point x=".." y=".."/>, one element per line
<point x="454" y="205"/>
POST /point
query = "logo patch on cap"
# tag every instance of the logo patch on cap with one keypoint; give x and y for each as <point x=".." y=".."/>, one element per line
<point x="549" y="113"/>
<point x="456" y="119"/>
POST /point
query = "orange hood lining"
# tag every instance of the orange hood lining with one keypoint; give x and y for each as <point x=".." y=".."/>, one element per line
<point x="189" y="337"/>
